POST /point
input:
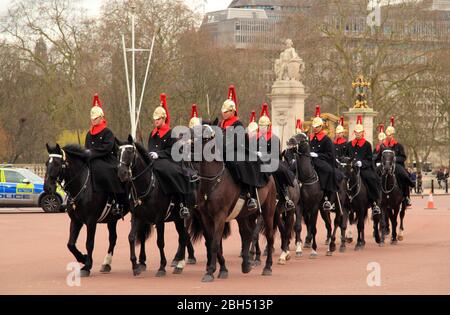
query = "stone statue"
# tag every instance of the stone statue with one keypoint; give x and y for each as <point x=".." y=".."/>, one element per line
<point x="288" y="67"/>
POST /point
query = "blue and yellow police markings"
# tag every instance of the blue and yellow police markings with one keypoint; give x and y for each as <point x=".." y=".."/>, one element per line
<point x="17" y="191"/>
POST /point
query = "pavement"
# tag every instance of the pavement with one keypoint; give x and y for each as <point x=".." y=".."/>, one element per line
<point x="34" y="260"/>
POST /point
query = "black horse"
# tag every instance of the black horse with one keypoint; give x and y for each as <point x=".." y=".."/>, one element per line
<point x="358" y="201"/>
<point x="392" y="201"/>
<point x="151" y="206"/>
<point x="298" y="155"/>
<point x="69" y="167"/>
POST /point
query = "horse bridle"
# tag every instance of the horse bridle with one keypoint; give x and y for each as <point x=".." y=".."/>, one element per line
<point x="137" y="200"/>
<point x="60" y="178"/>
<point x="389" y="172"/>
<point x="297" y="153"/>
<point x="356" y="185"/>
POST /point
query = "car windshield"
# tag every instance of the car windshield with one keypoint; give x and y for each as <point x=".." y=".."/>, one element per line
<point x="31" y="176"/>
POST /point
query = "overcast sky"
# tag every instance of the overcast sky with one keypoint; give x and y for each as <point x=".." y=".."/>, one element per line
<point x="94" y="5"/>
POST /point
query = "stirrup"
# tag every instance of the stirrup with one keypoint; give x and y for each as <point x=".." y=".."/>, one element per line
<point x="289" y="204"/>
<point x="184" y="212"/>
<point x="375" y="210"/>
<point x="116" y="209"/>
<point x="327" y="206"/>
<point x="251" y="204"/>
<point x="408" y="202"/>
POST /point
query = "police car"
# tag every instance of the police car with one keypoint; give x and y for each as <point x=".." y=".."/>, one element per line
<point x="21" y="187"/>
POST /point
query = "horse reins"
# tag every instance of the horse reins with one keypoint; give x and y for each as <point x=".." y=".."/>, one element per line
<point x="357" y="184"/>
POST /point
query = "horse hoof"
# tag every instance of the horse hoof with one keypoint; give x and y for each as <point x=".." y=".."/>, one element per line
<point x="191" y="261"/>
<point x="256" y="263"/>
<point x="332" y="247"/>
<point x="342" y="249"/>
<point x="394" y="242"/>
<point x="177" y="271"/>
<point x="174" y="263"/>
<point x="307" y="245"/>
<point x="329" y="253"/>
<point x="381" y="244"/>
<point x="400" y="238"/>
<point x="313" y="256"/>
<point x="137" y="271"/>
<point x="298" y="254"/>
<point x="349" y="240"/>
<point x="358" y="248"/>
<point x="223" y="274"/>
<point x="208" y="278"/>
<point x="105" y="269"/>
<point x="327" y="242"/>
<point x="267" y="272"/>
<point x="143" y="267"/>
<point x="246" y="269"/>
<point x="160" y="273"/>
<point x="281" y="261"/>
<point x="288" y="257"/>
<point x="84" y="273"/>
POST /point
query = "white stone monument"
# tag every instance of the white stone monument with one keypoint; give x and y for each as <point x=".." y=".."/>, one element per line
<point x="288" y="93"/>
<point x="361" y="108"/>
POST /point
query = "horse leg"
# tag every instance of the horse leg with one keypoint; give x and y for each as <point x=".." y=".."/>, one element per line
<point x="255" y="229"/>
<point x="376" y="232"/>
<point x="135" y="224"/>
<point x="245" y="229"/>
<point x="287" y="231"/>
<point x="112" y="228"/>
<point x="182" y="240"/>
<point x="269" y="231"/>
<point x="360" y="242"/>
<point x="223" y="272"/>
<point x="91" y="228"/>
<point x="177" y="256"/>
<point x="214" y="245"/>
<point x="394" y="226"/>
<point x="332" y="244"/>
<point x="402" y="216"/>
<point x="160" y="242"/>
<point x="313" y="231"/>
<point x="327" y="219"/>
<point x="75" y="228"/>
<point x="298" y="231"/>
<point x="382" y="226"/>
<point x="343" y="226"/>
<point x="142" y="239"/>
<point x="191" y="254"/>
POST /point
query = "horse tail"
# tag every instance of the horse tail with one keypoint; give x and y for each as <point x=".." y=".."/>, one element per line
<point x="195" y="229"/>
<point x="144" y="232"/>
<point x="226" y="230"/>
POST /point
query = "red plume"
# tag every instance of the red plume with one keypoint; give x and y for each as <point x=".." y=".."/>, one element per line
<point x="299" y="124"/>
<point x="341" y="121"/>
<point x="318" y="111"/>
<point x="253" y="117"/>
<point x="232" y="96"/>
<point x="359" y="120"/>
<point x="381" y="128"/>
<point x="194" y="112"/>
<point x="96" y="101"/>
<point x="392" y="121"/>
<point x="163" y="98"/>
<point x="265" y="110"/>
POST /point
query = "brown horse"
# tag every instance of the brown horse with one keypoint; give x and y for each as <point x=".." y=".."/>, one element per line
<point x="218" y="195"/>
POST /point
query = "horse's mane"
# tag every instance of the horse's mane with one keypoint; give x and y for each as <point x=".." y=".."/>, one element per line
<point x="75" y="150"/>
<point x="143" y="152"/>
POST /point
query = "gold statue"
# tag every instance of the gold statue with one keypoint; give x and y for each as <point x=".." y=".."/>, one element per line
<point x="361" y="87"/>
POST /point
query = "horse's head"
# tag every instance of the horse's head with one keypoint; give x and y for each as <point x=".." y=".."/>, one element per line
<point x="127" y="157"/>
<point x="302" y="144"/>
<point x="54" y="168"/>
<point x="388" y="161"/>
<point x="349" y="166"/>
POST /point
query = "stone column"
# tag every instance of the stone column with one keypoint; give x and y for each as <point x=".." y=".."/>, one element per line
<point x="368" y="115"/>
<point x="288" y="104"/>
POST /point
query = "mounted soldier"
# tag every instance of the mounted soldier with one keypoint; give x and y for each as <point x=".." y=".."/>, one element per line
<point x="340" y="142"/>
<point x="169" y="173"/>
<point x="101" y="150"/>
<point x="379" y="146"/>
<point x="402" y="175"/>
<point x="360" y="150"/>
<point x="323" y="154"/>
<point x="267" y="142"/>
<point x="247" y="174"/>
